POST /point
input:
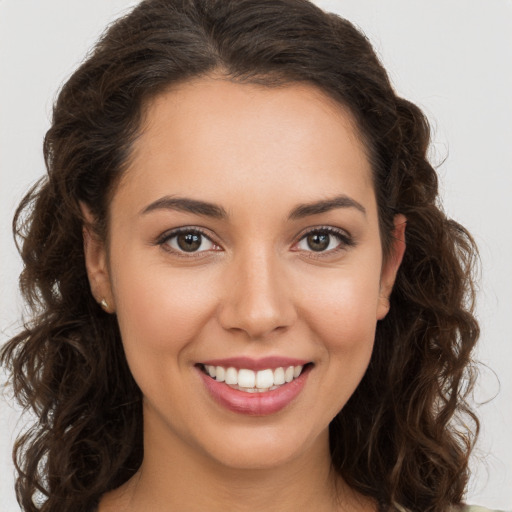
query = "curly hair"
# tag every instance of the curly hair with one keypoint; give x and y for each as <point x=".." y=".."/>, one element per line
<point x="403" y="438"/>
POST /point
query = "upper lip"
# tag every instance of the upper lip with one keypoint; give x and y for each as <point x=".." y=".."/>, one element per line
<point x="256" y="364"/>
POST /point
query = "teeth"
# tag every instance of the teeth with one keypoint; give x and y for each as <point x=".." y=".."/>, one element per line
<point x="279" y="376"/>
<point x="246" y="378"/>
<point x="220" y="374"/>
<point x="264" y="379"/>
<point x="251" y="381"/>
<point x="231" y="376"/>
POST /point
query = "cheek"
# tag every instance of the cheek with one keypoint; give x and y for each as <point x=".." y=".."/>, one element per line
<point x="339" y="315"/>
<point x="159" y="306"/>
<point x="342" y="308"/>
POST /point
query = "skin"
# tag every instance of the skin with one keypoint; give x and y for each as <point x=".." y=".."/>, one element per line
<point x="257" y="289"/>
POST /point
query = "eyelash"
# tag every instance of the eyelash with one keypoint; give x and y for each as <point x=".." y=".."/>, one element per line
<point x="164" y="239"/>
<point x="345" y="241"/>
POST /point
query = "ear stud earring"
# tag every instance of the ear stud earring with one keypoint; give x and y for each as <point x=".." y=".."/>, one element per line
<point x="104" y="304"/>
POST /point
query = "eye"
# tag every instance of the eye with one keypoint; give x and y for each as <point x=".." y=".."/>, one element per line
<point x="187" y="240"/>
<point x="324" y="240"/>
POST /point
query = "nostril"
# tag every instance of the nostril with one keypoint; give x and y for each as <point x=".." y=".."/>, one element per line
<point x="258" y="305"/>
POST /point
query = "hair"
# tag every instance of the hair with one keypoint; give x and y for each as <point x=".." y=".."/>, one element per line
<point x="403" y="437"/>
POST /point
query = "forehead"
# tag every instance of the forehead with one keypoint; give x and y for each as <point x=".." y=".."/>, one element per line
<point x="213" y="137"/>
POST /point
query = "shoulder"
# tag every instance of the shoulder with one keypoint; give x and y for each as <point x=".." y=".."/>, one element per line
<point x="473" y="508"/>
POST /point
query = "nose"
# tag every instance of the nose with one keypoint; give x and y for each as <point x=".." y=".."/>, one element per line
<point x="258" y="296"/>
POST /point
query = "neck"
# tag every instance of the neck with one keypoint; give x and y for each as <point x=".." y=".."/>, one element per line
<point x="173" y="474"/>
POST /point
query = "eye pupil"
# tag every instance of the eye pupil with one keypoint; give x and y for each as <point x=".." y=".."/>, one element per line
<point x="318" y="241"/>
<point x="189" y="242"/>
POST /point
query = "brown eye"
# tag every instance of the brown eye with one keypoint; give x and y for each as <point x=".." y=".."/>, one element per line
<point x="325" y="240"/>
<point x="188" y="241"/>
<point x="318" y="241"/>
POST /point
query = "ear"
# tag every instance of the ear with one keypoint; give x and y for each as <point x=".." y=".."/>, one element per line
<point x="96" y="262"/>
<point x="391" y="265"/>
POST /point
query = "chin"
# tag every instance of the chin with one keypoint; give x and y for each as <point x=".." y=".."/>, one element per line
<point x="264" y="448"/>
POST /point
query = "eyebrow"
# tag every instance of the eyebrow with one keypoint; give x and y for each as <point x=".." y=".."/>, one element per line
<point x="342" y="201"/>
<point x="207" y="209"/>
<point x="184" y="204"/>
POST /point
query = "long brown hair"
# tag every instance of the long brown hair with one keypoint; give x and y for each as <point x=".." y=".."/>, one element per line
<point x="403" y="437"/>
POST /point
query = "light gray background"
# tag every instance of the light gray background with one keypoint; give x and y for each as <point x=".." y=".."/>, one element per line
<point x="452" y="57"/>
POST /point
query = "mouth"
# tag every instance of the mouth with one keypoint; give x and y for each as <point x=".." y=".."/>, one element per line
<point x="254" y="381"/>
<point x="266" y="387"/>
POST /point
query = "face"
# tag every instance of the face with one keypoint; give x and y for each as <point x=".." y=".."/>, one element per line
<point x="245" y="267"/>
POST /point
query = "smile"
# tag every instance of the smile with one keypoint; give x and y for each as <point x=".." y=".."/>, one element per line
<point x="251" y="381"/>
<point x="254" y="387"/>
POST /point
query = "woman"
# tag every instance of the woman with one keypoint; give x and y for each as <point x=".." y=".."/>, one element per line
<point x="241" y="279"/>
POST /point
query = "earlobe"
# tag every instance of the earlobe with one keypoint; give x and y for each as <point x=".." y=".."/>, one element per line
<point x="96" y="263"/>
<point x="391" y="265"/>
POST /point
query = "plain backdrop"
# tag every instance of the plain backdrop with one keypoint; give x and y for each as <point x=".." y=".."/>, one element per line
<point x="451" y="57"/>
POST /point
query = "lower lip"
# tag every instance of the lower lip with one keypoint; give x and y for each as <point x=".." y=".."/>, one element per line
<point x="255" y="404"/>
